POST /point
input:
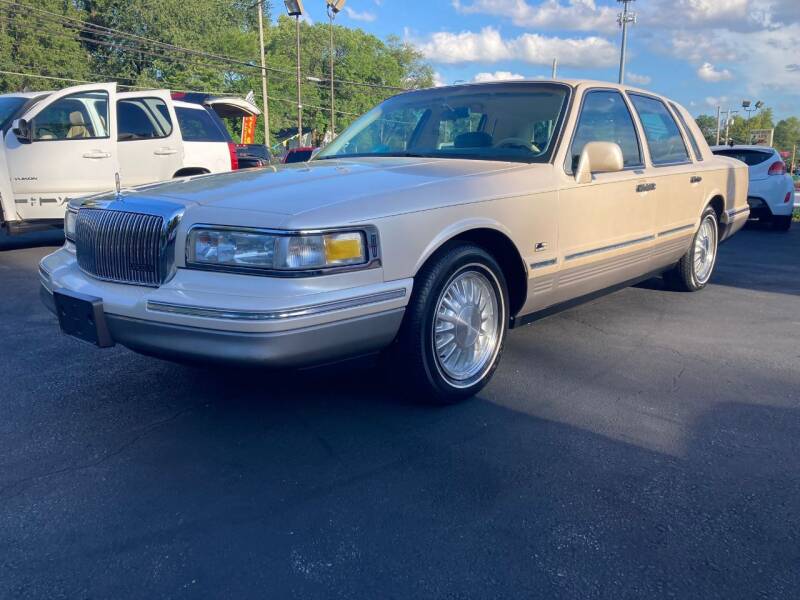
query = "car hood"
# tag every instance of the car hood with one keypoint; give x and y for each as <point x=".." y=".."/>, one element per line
<point x="377" y="185"/>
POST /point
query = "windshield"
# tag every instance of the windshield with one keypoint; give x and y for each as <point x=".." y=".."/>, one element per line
<point x="9" y="105"/>
<point x="509" y="122"/>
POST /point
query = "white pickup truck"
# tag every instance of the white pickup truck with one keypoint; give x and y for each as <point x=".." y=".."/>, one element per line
<point x="79" y="140"/>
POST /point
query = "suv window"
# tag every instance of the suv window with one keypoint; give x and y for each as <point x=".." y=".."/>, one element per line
<point x="661" y="131"/>
<point x="198" y="126"/>
<point x="79" y="116"/>
<point x="142" y="119"/>
<point x="689" y="133"/>
<point x="750" y="157"/>
<point x="605" y="118"/>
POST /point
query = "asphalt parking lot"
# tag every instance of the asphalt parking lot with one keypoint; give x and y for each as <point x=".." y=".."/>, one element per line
<point x="642" y="446"/>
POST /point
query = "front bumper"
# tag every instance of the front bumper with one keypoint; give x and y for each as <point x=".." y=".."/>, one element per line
<point x="286" y="329"/>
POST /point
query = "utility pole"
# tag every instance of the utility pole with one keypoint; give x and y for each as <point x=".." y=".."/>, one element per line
<point x="623" y="19"/>
<point x="299" y="82"/>
<point x="260" y="8"/>
<point x="719" y="122"/>
<point x="728" y="116"/>
<point x="555" y="68"/>
<point x="334" y="6"/>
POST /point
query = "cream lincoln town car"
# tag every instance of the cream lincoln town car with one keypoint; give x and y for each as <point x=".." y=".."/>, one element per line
<point x="432" y="225"/>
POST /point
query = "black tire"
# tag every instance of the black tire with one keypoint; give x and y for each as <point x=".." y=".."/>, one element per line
<point x="412" y="358"/>
<point x="782" y="223"/>
<point x="683" y="276"/>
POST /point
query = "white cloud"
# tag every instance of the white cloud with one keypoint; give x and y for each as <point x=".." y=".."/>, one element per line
<point x="438" y="80"/>
<point x="713" y="102"/>
<point x="707" y="72"/>
<point x="580" y="15"/>
<point x="638" y="79"/>
<point x="488" y="46"/>
<point x="497" y="76"/>
<point x="365" y="16"/>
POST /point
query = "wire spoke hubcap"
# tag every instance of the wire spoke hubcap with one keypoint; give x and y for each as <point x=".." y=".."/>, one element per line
<point x="467" y="326"/>
<point x="705" y="250"/>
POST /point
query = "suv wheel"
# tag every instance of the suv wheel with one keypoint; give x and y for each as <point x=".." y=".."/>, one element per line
<point x="782" y="223"/>
<point x="693" y="271"/>
<point x="455" y="325"/>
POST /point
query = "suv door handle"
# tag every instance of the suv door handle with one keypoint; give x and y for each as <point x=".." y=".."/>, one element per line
<point x="97" y="154"/>
<point x="645" y="187"/>
<point x="165" y="151"/>
<point x="696" y="179"/>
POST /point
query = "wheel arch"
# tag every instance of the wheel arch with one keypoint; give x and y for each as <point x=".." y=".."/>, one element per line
<point x="189" y="171"/>
<point x="496" y="240"/>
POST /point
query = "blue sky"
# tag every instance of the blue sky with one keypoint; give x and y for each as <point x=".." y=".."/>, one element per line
<point x="700" y="52"/>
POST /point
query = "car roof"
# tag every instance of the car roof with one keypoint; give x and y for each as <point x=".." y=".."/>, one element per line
<point x="25" y="94"/>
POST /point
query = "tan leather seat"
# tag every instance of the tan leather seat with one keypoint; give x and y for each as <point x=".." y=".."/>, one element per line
<point x="77" y="127"/>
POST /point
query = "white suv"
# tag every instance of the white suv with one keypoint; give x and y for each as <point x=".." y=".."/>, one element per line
<point x="77" y="141"/>
<point x="771" y="194"/>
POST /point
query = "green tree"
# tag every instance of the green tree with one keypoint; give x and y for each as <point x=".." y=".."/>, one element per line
<point x="708" y="125"/>
<point x="30" y="43"/>
<point x="787" y="134"/>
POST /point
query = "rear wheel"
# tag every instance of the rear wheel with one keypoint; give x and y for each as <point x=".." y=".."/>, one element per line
<point x="455" y="325"/>
<point x="782" y="223"/>
<point x="693" y="271"/>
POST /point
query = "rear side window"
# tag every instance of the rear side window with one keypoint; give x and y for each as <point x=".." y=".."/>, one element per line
<point x="750" y="157"/>
<point x="605" y="118"/>
<point x="689" y="133"/>
<point x="663" y="136"/>
<point x="143" y="119"/>
<point x="198" y="126"/>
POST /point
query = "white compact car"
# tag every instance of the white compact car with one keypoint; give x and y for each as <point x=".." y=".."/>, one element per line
<point x="771" y="195"/>
<point x="79" y="140"/>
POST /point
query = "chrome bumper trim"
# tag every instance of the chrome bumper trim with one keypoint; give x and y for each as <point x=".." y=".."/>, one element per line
<point x="730" y="214"/>
<point x="274" y="315"/>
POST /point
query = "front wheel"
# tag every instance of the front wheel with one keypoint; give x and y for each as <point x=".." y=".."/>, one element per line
<point x="693" y="271"/>
<point x="455" y="325"/>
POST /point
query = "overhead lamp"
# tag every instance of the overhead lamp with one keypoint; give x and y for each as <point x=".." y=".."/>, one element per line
<point x="335" y="5"/>
<point x="294" y="7"/>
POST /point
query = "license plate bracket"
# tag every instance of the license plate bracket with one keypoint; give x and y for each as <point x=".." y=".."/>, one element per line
<point x="81" y="316"/>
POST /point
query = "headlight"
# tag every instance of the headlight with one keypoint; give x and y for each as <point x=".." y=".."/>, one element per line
<point x="70" y="220"/>
<point x="253" y="250"/>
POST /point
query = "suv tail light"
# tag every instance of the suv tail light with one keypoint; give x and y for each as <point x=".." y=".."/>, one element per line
<point x="777" y="168"/>
<point x="234" y="156"/>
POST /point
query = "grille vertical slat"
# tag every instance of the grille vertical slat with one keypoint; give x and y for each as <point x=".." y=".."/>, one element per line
<point x="120" y="246"/>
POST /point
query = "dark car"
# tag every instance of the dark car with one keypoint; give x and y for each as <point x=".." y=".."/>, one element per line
<point x="253" y="156"/>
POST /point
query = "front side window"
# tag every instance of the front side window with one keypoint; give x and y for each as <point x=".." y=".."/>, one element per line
<point x="79" y="116"/>
<point x="508" y="122"/>
<point x="689" y="133"/>
<point x="661" y="131"/>
<point x="198" y="126"/>
<point x="142" y="119"/>
<point x="605" y="118"/>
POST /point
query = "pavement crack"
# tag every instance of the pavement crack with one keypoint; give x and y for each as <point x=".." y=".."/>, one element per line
<point x="20" y="483"/>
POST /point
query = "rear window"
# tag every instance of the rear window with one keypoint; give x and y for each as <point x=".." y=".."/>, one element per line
<point x="750" y="157"/>
<point x="296" y="156"/>
<point x="198" y="126"/>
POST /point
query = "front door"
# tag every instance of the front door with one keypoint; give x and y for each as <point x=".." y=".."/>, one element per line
<point x="150" y="146"/>
<point x="605" y="227"/>
<point x="71" y="152"/>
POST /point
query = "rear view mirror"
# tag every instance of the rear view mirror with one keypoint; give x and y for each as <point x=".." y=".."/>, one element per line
<point x="599" y="157"/>
<point x="22" y="130"/>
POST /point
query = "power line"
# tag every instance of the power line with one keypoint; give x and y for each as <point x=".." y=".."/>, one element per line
<point x="111" y="32"/>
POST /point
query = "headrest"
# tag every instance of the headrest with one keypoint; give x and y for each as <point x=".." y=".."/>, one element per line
<point x="473" y="139"/>
<point x="76" y="118"/>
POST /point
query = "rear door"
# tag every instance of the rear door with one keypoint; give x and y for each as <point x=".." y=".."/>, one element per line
<point x="72" y="152"/>
<point x="149" y="140"/>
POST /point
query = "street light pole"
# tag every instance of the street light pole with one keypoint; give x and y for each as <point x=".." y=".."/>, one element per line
<point x="260" y="7"/>
<point x="623" y="19"/>
<point x="334" y="6"/>
<point x="295" y="9"/>
<point x="719" y="122"/>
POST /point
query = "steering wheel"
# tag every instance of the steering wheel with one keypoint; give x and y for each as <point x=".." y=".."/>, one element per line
<point x="516" y="142"/>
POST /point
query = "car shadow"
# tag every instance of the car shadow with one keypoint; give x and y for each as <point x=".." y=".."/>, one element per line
<point x="54" y="237"/>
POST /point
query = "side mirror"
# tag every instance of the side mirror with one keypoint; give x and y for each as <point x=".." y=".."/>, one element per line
<point x="22" y="130"/>
<point x="599" y="157"/>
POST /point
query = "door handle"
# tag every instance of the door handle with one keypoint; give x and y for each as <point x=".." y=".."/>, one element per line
<point x="97" y="154"/>
<point x="165" y="151"/>
<point x="645" y="187"/>
<point x="696" y="179"/>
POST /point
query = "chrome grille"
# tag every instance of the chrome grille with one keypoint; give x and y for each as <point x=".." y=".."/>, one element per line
<point x="125" y="247"/>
